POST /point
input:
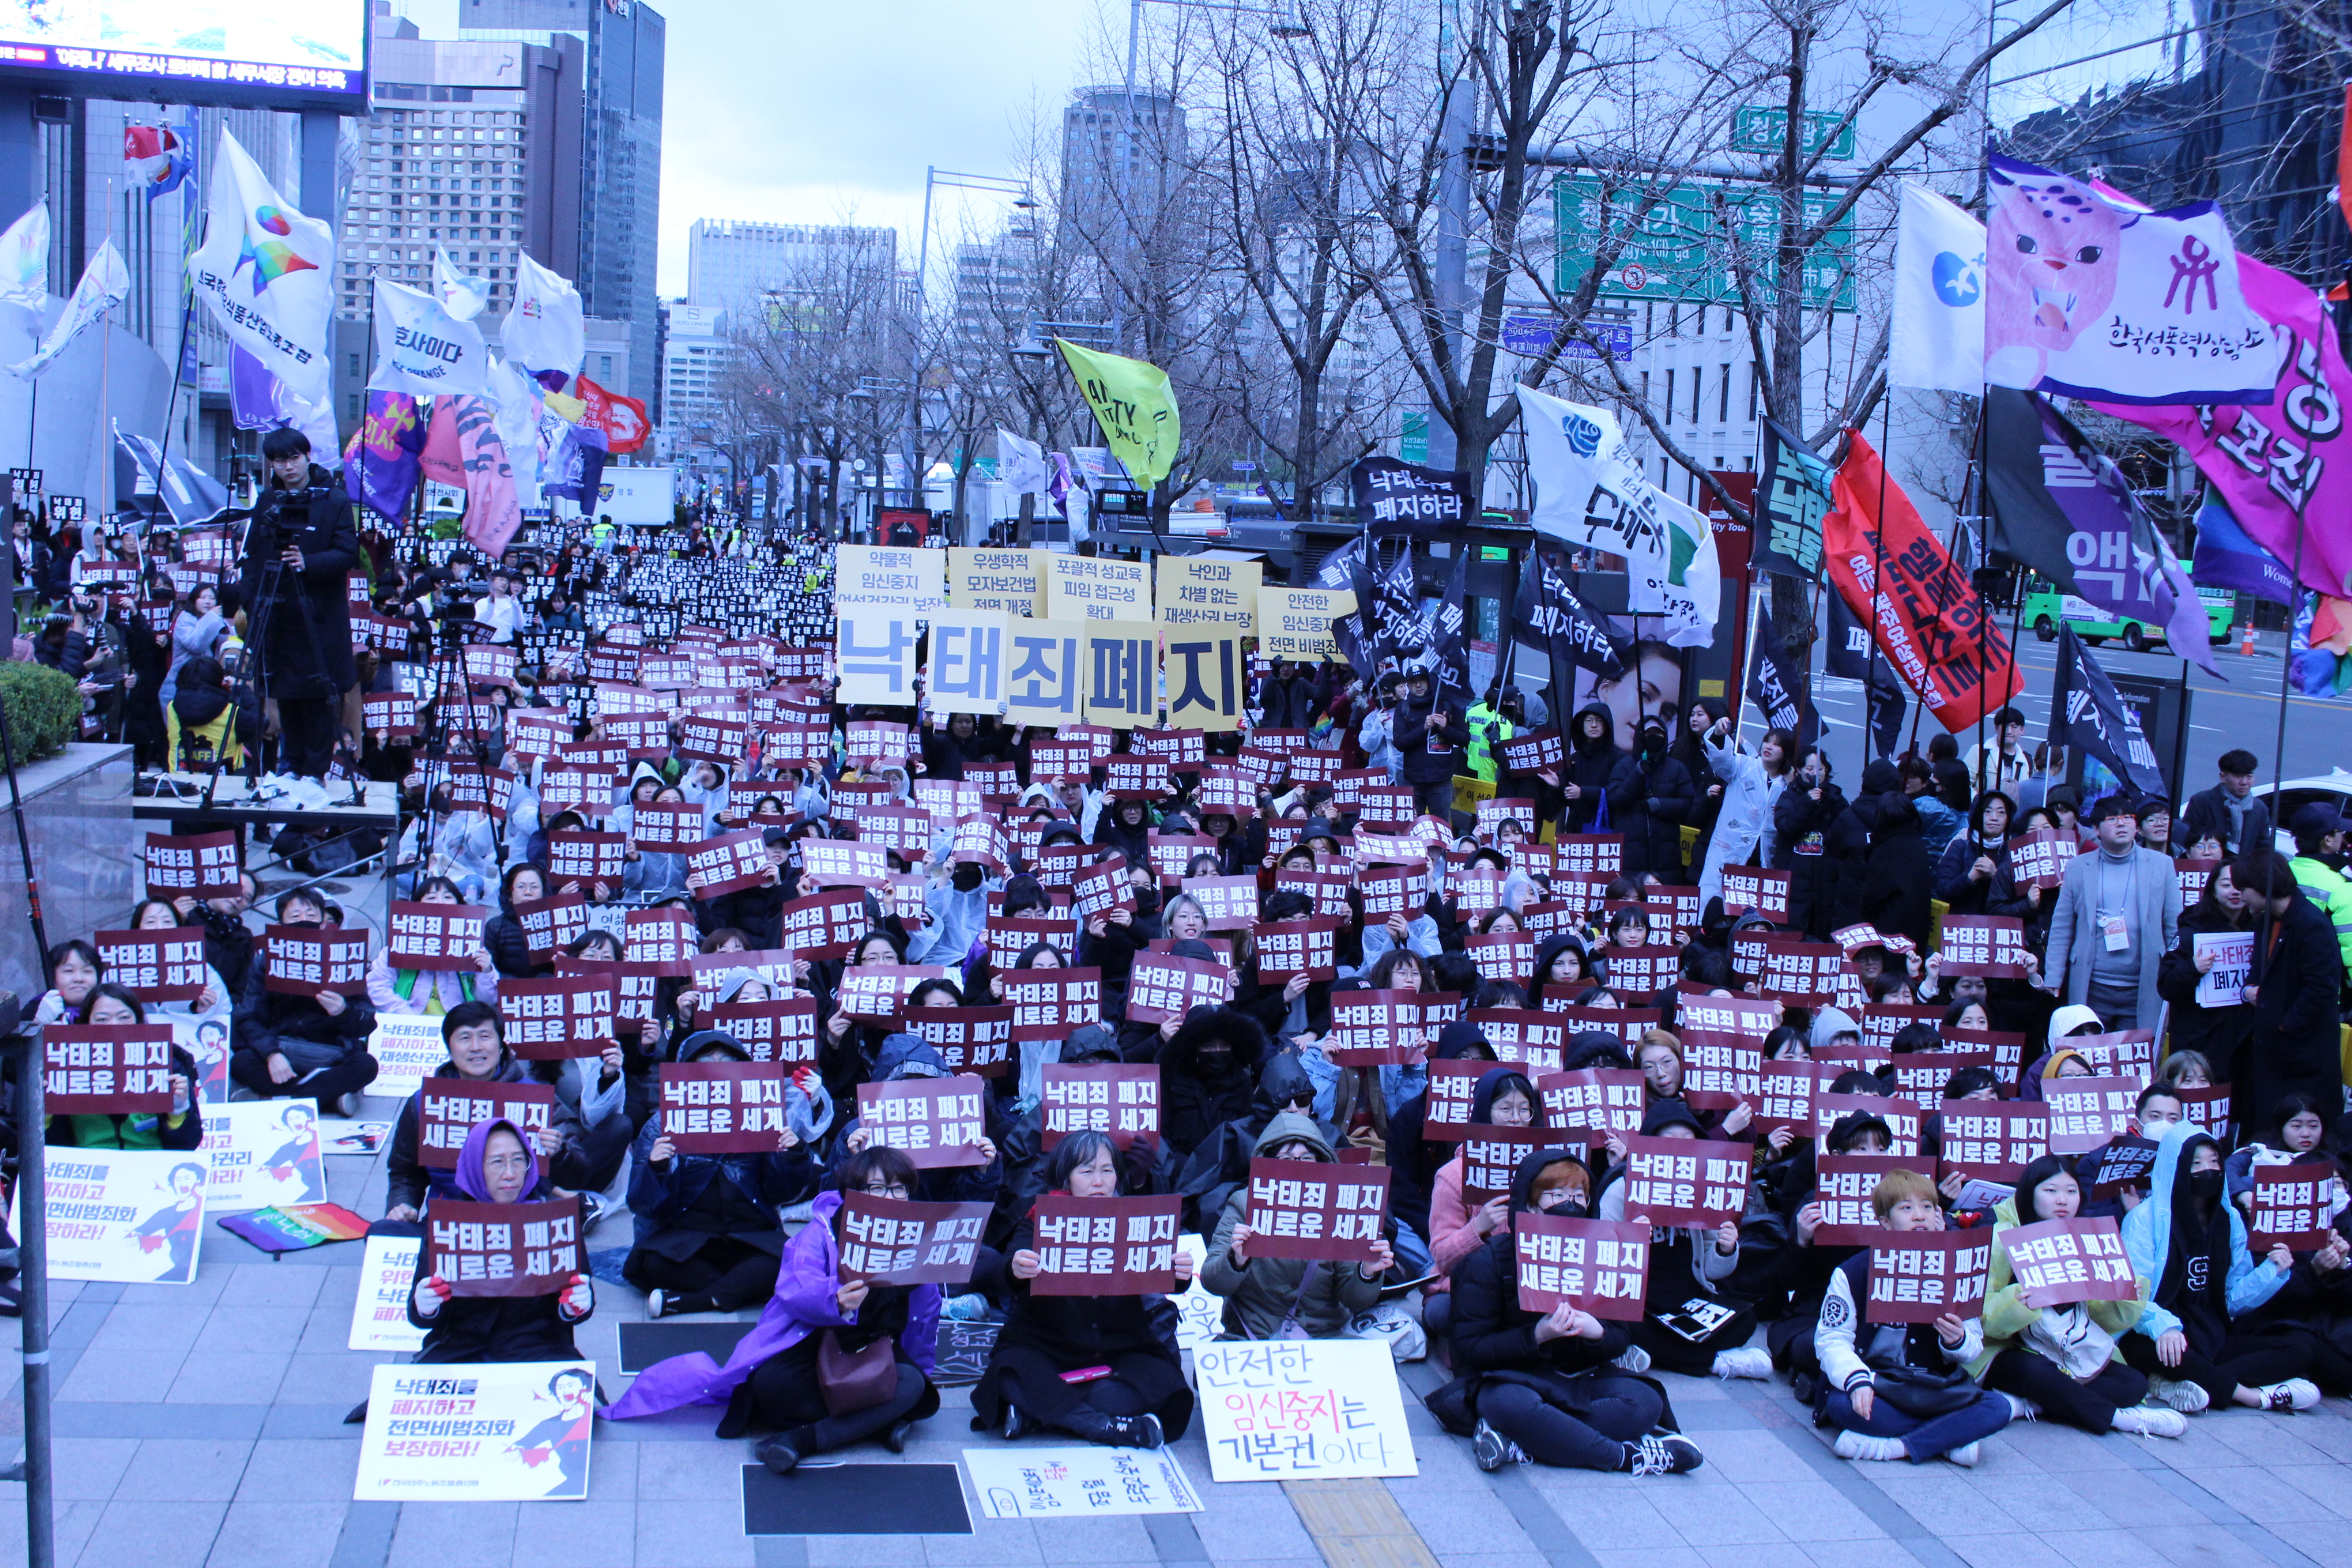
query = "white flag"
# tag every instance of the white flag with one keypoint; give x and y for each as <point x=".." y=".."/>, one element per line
<point x="1938" y="336"/>
<point x="25" y="259"/>
<point x="516" y="398"/>
<point x="268" y="273"/>
<point x="1686" y="585"/>
<point x="105" y="283"/>
<point x="1020" y="464"/>
<point x="462" y="296"/>
<point x="1590" y="491"/>
<point x="421" y="349"/>
<point x="545" y="331"/>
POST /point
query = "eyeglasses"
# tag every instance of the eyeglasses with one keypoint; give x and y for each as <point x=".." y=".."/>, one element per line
<point x="885" y="1190"/>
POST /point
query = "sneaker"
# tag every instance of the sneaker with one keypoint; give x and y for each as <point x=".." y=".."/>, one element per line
<point x="1804" y="1386"/>
<point x="894" y="1440"/>
<point x="968" y="1308"/>
<point x="1492" y="1450"/>
<point x="1137" y="1432"/>
<point x="778" y="1455"/>
<point x="1664" y="1454"/>
<point x="2189" y="1398"/>
<point x="2152" y="1421"/>
<point x="1636" y="1360"/>
<point x="1752" y="1361"/>
<point x="1966" y="1456"/>
<point x="1016" y="1424"/>
<point x="657" y="1303"/>
<point x="2022" y="1409"/>
<point x="1859" y="1446"/>
<point x="2294" y="1393"/>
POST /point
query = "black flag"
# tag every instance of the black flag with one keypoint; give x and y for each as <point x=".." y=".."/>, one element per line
<point x="1772" y="686"/>
<point x="1388" y="602"/>
<point x="2027" y="524"/>
<point x="1394" y="498"/>
<point x="1449" y="647"/>
<point x="1546" y="605"/>
<point x="1885" y="707"/>
<point x="2086" y="714"/>
<point x="1792" y="496"/>
<point x="1847" y="652"/>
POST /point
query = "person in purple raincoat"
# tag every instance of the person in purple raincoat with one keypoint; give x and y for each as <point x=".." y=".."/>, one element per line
<point x="769" y="1381"/>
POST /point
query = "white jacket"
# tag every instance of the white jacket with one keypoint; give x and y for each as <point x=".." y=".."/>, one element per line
<point x="1841" y="1358"/>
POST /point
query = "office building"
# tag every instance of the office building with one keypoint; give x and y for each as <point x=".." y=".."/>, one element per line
<point x="621" y="195"/>
<point x="729" y="264"/>
<point x="695" y="354"/>
<point x="1095" y="126"/>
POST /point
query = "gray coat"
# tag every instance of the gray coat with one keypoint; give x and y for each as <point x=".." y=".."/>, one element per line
<point x="2074" y="927"/>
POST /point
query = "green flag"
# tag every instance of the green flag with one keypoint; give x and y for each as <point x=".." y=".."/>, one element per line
<point x="1134" y="406"/>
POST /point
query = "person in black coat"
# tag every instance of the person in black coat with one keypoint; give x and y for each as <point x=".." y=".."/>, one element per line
<point x="2292" y="1042"/>
<point x="1847" y="843"/>
<point x="1430" y="733"/>
<point x="1664" y="797"/>
<point x="1600" y="780"/>
<point x="307" y="659"/>
<point x="497" y="1166"/>
<point x="1293" y="694"/>
<point x="1895" y="881"/>
<point x="1208" y="1075"/>
<point x="525" y="883"/>
<point x="2208" y="810"/>
<point x="313" y="1048"/>
<point x="1800" y="823"/>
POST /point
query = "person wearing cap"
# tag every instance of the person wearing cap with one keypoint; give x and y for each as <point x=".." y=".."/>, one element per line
<point x="2318" y="864"/>
<point x="2118" y="914"/>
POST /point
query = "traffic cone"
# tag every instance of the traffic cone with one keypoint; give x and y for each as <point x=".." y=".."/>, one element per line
<point x="2246" y="644"/>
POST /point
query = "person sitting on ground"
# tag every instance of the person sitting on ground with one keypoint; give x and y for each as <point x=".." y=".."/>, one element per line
<point x="474" y="1039"/>
<point x="311" y="1047"/>
<point x="423" y="991"/>
<point x="497" y="1166"/>
<point x="182" y="1127"/>
<point x="1285" y="1298"/>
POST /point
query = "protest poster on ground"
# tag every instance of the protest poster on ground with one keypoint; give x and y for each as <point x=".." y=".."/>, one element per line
<point x="935" y="1123"/>
<point x="1082" y="1482"/>
<point x="1917" y="1276"/>
<point x="131" y="1216"/>
<point x="451" y="1105"/>
<point x="1685" y="1181"/>
<point x="1305" y="1208"/>
<point x="478" y="1432"/>
<point x="484" y="1249"/>
<point x="2294" y="1207"/>
<point x="1104" y="1247"/>
<point x="263" y="1151"/>
<point x="1282" y="1410"/>
<point x="380" y="1311"/>
<point x="2071" y="1260"/>
<point x="724" y="1108"/>
<point x="1119" y="1099"/>
<point x="896" y="1241"/>
<point x="1597" y="1266"/>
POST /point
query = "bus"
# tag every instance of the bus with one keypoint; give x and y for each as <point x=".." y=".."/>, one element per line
<point x="2046" y="606"/>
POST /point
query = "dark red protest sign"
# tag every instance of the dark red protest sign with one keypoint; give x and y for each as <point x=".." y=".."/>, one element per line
<point x="1104" y="1247"/>
<point x="1453" y="1086"/>
<point x="1528" y="1037"/>
<point x="1503" y="955"/>
<point x="1723" y="1048"/>
<point x="1800" y="974"/>
<point x="1119" y="1099"/>
<point x="1901" y="1116"/>
<point x="842" y="863"/>
<point x="1009" y="937"/>
<point x="159" y="965"/>
<point x="1989" y="945"/>
<point x="1595" y="1101"/>
<point x="1048" y="1004"/>
<point x="1162" y="986"/>
<point x="724" y="1108"/>
<point x="2208" y="1108"/>
<point x="1530" y="753"/>
<point x="1752" y="888"/>
<point x="2084" y="1112"/>
<point x="200" y="865"/>
<point x="904" y="830"/>
<point x="2294" y="1207"/>
<point x="728" y="863"/>
<point x="106" y="1069"/>
<point x="892" y="1241"/>
<point x="550" y="925"/>
<point x="1882" y="1021"/>
<point x="1921" y="1075"/>
<point x="575" y="858"/>
<point x="2005" y="1047"/>
<point x="1377" y="1028"/>
<point x="391" y="715"/>
<point x="771" y="1031"/>
<point x="447" y="1109"/>
<point x="2123" y="1163"/>
<point x="2070" y="1260"/>
<point x="1103" y="887"/>
<point x="1305" y="1208"/>
<point x="1597" y="1266"/>
<point x="878" y="991"/>
<point x="969" y="1039"/>
<point x="1307" y="946"/>
<point x="1329" y="889"/>
<point x="1230" y="903"/>
<point x="1993" y="1139"/>
<point x="1843" y="1186"/>
<point x="1051" y="759"/>
<point x="1131" y="777"/>
<point x="1491" y="1156"/>
<point x="668" y="829"/>
<point x="825" y="925"/>
<point x="1591" y="854"/>
<point x="2126" y="1053"/>
<point x="664" y="936"/>
<point x="550" y="1020"/>
<point x="306" y="960"/>
<point x="584" y="787"/>
<point x="1685" y="1181"/>
<point x="935" y="1121"/>
<point x="504" y="1250"/>
<point x="1918" y="1277"/>
<point x="710" y="740"/>
<point x="2040" y="858"/>
<point x="435" y="936"/>
<point x="1785" y="1092"/>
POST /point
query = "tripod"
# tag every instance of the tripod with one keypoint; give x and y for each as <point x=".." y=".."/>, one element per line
<point x="446" y="667"/>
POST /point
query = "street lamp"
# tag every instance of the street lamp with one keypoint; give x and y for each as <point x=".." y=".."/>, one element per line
<point x="1003" y="184"/>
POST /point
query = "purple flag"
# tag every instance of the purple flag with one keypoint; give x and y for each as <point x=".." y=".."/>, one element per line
<point x="574" y="461"/>
<point x="252" y="392"/>
<point x="2226" y="558"/>
<point x="379" y="470"/>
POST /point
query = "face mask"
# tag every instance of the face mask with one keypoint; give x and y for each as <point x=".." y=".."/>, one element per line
<point x="1566" y="1208"/>
<point x="2205" y="1188"/>
<point x="1146" y="900"/>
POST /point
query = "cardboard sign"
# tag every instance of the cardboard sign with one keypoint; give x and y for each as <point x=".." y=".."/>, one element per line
<point x="1305" y="1208"/>
<point x="823" y="925"/>
<point x="1917" y="1276"/>
<point x="549" y="1020"/>
<point x="1491" y="1156"/>
<point x="1595" y="1101"/>
<point x="1296" y="946"/>
<point x="729" y="863"/>
<point x="1901" y="1116"/>
<point x="1785" y="1093"/>
<point x="380" y="1309"/>
<point x="391" y="714"/>
<point x="1048" y="1004"/>
<point x="1121" y="1099"/>
<point x="976" y="1041"/>
<point x="577" y="857"/>
<point x="504" y="1250"/>
<point x="1104" y="1247"/>
<point x="935" y="1123"/>
<point x="1162" y="986"/>
<point x="2040" y="858"/>
<point x="878" y="991"/>
<point x="203" y="865"/>
<point x="263" y="1151"/>
<point x="1754" y="889"/>
<point x="896" y="1241"/>
<point x="1723" y="1049"/>
<point x="1503" y="955"/>
<point x="449" y="1108"/>
<point x="162" y="965"/>
<point x="2071" y="1260"/>
<point x="1532" y="752"/>
<point x="1685" y="1181"/>
<point x="2294" y="1207"/>
<point x="1079" y="1482"/>
<point x="1597" y="1266"/>
<point x="106" y="1069"/>
<point x="2208" y="1108"/>
<point x="1990" y="945"/>
<point x="435" y="936"/>
<point x="2224" y="984"/>
<point x="407" y="1046"/>
<point x="303" y="961"/>
<point x="480" y="1431"/>
<point x="724" y="1108"/>
<point x="2084" y="1112"/>
<point x="666" y="830"/>
<point x="1993" y="1139"/>
<point x="550" y="925"/>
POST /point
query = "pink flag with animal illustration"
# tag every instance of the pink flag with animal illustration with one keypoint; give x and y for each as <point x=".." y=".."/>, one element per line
<point x="2089" y="294"/>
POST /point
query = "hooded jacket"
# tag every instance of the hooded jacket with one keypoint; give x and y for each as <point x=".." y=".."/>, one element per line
<point x="1603" y="772"/>
<point x="694" y="1197"/>
<point x="2160" y="1236"/>
<point x="1193" y="1107"/>
<point x="1430" y="756"/>
<point x="309" y="650"/>
<point x="1801" y="834"/>
<point x="1744" y="830"/>
<point x="1211" y="1173"/>
<point x="1897" y="871"/>
<point x="1454" y="1231"/>
<point x="1264" y="1293"/>
<point x="494" y="1328"/>
<point x="1662" y="799"/>
<point x="1846" y="844"/>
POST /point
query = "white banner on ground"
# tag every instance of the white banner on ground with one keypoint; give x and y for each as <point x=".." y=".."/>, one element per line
<point x="487" y="1432"/>
<point x="406" y="1047"/>
<point x="135" y="1216"/>
<point x="263" y="1151"/>
<point x="380" y="1313"/>
<point x="1289" y="1410"/>
<point x="1083" y="1482"/>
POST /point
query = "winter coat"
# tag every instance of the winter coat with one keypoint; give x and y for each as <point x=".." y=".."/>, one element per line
<point x="1661" y="798"/>
<point x="2074" y="936"/>
<point x="1744" y="829"/>
<point x="1894" y="883"/>
<point x="192" y="637"/>
<point x="1430" y="756"/>
<point x="1847" y="844"/>
<point x="1194" y="1107"/>
<point x="315" y="662"/>
<point x="2209" y="813"/>
<point x="2009" y="1323"/>
<point x="474" y="1329"/>
<point x="1800" y="839"/>
<point x="407" y="1180"/>
<point x="266" y="1021"/>
<point x="1264" y="1293"/>
<point x="2219" y="1033"/>
<point x="2291" y="1041"/>
<point x="1603" y="772"/>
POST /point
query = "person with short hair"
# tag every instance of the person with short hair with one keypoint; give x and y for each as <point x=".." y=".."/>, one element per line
<point x="2293" y="1040"/>
<point x="311" y="1047"/>
<point x="2229" y="811"/>
<point x="2003" y="761"/>
<point x="307" y="659"/>
<point x="2118" y="913"/>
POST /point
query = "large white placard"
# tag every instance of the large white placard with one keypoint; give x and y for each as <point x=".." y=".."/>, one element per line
<point x="407" y="1048"/>
<point x="135" y="1216"/>
<point x="1287" y="1410"/>
<point x="1084" y="1482"/>
<point x="380" y="1313"/>
<point x="486" y="1432"/>
<point x="263" y="1151"/>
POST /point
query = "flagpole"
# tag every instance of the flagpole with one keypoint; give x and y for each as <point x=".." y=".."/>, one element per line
<point x="172" y="403"/>
<point x="2287" y="676"/>
<point x="1878" y="579"/>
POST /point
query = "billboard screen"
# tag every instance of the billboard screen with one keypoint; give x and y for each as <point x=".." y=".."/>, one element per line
<point x="253" y="53"/>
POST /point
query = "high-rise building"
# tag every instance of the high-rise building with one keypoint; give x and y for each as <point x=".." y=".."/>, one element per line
<point x="1096" y="127"/>
<point x="729" y="264"/>
<point x="994" y="287"/>
<point x="695" y="354"/>
<point x="619" y="218"/>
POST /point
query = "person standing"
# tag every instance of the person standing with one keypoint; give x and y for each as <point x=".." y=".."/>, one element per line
<point x="307" y="660"/>
<point x="2118" y="914"/>
<point x="2318" y="864"/>
<point x="2002" y="762"/>
<point x="2229" y="811"/>
<point x="2294" y="990"/>
<point x="1430" y="735"/>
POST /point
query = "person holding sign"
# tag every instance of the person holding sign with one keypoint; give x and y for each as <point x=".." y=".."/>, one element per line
<point x="1504" y="1097"/>
<point x="525" y="883"/>
<point x="313" y="1045"/>
<point x="497" y="1166"/>
<point x="772" y="1380"/>
<point x="215" y="1001"/>
<point x="2058" y="1359"/>
<point x="477" y="1054"/>
<point x="74" y="969"/>
<point x="2294" y="990"/>
<point x="1549" y="1387"/>
<point x="1095" y="1367"/>
<point x="2192" y="1244"/>
<point x="1287" y="1297"/>
<point x="1901" y="1390"/>
<point x="182" y="1127"/>
<point x="422" y="991"/>
<point x="1686" y="1330"/>
<point x="2202" y="1019"/>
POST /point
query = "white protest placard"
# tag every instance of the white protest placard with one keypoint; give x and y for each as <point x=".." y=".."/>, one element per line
<point x="1282" y="1410"/>
<point x="135" y="1216"/>
<point x="1200" y="1311"/>
<point x="406" y="1047"/>
<point x="1083" y="1482"/>
<point x="2224" y="984"/>
<point x="263" y="1151"/>
<point x="486" y="1432"/>
<point x="206" y="1041"/>
<point x="380" y="1313"/>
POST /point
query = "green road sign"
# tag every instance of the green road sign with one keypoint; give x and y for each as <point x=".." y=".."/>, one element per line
<point x="1763" y="131"/>
<point x="1413" y="439"/>
<point x="1679" y="253"/>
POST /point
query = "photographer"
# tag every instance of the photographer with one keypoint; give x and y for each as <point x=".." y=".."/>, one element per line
<point x="304" y="520"/>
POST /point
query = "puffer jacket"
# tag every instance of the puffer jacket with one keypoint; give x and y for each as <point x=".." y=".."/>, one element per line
<point x="1262" y="1294"/>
